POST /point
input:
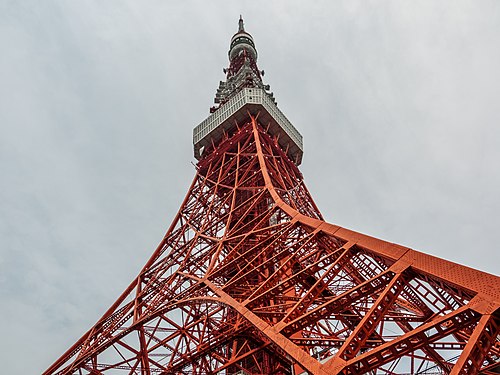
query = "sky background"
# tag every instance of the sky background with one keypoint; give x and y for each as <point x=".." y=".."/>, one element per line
<point x="398" y="103"/>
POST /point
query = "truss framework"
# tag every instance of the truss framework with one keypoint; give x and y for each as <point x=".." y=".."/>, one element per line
<point x="250" y="279"/>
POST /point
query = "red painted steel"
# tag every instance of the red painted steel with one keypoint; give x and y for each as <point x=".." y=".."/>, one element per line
<point x="249" y="279"/>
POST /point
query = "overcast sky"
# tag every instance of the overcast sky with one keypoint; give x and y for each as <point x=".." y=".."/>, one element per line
<point x="398" y="103"/>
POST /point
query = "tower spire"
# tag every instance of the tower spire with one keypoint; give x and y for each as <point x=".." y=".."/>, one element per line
<point x="241" y="27"/>
<point x="243" y="91"/>
<point x="240" y="42"/>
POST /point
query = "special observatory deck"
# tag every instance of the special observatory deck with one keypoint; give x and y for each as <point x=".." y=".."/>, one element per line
<point x="249" y="101"/>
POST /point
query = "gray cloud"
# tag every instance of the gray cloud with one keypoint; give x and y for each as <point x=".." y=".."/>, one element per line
<point x="397" y="101"/>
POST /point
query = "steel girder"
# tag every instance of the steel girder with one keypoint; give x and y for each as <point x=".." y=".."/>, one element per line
<point x="250" y="279"/>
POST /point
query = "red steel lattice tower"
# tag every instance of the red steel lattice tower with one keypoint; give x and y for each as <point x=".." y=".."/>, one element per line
<point x="249" y="278"/>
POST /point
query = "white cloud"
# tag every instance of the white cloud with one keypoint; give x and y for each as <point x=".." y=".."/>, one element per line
<point x="397" y="102"/>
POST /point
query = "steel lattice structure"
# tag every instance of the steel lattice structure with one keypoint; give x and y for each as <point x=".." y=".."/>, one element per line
<point x="249" y="278"/>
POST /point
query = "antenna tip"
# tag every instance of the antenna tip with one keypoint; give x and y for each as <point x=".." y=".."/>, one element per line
<point x="240" y="24"/>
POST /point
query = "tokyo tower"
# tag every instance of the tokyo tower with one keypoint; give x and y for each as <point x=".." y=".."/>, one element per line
<point x="249" y="278"/>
